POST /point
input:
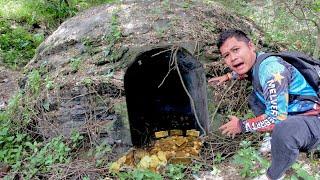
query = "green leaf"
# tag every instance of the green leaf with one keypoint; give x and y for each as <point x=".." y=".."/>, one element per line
<point x="30" y="145"/>
<point x="46" y="105"/>
<point x="293" y="177"/>
<point x="49" y="161"/>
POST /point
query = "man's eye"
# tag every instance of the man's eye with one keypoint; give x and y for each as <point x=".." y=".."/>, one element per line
<point x="225" y="56"/>
<point x="235" y="50"/>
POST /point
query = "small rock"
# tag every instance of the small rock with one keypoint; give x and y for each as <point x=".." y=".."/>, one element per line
<point x="4" y="80"/>
<point x="3" y="105"/>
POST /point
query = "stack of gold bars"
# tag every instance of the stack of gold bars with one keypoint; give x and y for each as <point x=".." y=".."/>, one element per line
<point x="170" y="147"/>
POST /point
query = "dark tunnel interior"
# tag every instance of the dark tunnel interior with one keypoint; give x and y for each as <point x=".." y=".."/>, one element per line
<point x="152" y="108"/>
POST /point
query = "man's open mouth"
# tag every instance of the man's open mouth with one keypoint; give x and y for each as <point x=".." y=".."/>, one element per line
<point x="238" y="65"/>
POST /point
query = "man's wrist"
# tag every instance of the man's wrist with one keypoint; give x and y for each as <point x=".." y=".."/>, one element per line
<point x="229" y="76"/>
<point x="242" y="125"/>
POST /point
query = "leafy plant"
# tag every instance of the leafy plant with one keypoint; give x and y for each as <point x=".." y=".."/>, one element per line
<point x="87" y="81"/>
<point x="300" y="173"/>
<point x="160" y="31"/>
<point x="41" y="160"/>
<point x="139" y="174"/>
<point x="175" y="171"/>
<point x="186" y="5"/>
<point x="13" y="107"/>
<point x="75" y="64"/>
<point x="196" y="168"/>
<point x="115" y="32"/>
<point x="34" y="82"/>
<point x="209" y="26"/>
<point x="17" y="45"/>
<point x="20" y="151"/>
<point x="166" y="5"/>
<point x="12" y="144"/>
<point x="18" y="148"/>
<point x="250" y="161"/>
<point x="100" y="152"/>
<point x="85" y="178"/>
<point x="76" y="138"/>
<point x="20" y="19"/>
<point x="111" y="53"/>
<point x="49" y="83"/>
<point x="146" y="174"/>
<point x="291" y="23"/>
<point x="50" y="12"/>
<point x="218" y="158"/>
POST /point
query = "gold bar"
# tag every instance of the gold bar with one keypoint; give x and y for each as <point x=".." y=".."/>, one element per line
<point x="193" y="133"/>
<point x="161" y="134"/>
<point x="176" y="132"/>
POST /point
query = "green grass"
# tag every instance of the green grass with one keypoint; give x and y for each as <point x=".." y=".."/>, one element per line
<point x="19" y="20"/>
<point x="17" y="45"/>
<point x="44" y="11"/>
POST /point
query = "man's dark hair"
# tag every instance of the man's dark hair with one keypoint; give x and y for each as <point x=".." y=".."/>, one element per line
<point x="238" y="34"/>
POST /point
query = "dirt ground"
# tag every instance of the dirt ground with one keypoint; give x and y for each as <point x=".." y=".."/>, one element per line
<point x="8" y="85"/>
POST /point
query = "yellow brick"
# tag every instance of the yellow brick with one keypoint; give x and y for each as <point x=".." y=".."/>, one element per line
<point x="161" y="134"/>
<point x="193" y="132"/>
<point x="176" y="132"/>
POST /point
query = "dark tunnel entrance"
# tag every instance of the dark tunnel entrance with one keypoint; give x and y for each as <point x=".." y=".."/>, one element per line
<point x="157" y="101"/>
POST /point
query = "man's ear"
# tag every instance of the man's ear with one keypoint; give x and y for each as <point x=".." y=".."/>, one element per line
<point x="251" y="46"/>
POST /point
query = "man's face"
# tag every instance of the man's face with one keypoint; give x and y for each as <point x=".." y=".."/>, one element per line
<point x="238" y="55"/>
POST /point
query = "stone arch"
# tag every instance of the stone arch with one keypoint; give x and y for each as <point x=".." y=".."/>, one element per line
<point x="157" y="100"/>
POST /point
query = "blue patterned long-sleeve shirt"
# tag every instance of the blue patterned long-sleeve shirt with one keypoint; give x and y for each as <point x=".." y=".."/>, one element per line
<point x="280" y="82"/>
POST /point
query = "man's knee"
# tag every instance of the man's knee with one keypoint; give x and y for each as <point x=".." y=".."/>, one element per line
<point x="284" y="135"/>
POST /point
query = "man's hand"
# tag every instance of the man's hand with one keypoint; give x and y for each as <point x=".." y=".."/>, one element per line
<point x="232" y="127"/>
<point x="219" y="80"/>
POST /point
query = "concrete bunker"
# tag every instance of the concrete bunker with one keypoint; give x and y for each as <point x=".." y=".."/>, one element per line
<point x="156" y="95"/>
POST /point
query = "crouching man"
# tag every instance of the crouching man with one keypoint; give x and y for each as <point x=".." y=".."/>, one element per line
<point x="283" y="101"/>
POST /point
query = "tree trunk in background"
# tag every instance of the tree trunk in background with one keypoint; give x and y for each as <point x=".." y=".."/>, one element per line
<point x="317" y="48"/>
<point x="316" y="51"/>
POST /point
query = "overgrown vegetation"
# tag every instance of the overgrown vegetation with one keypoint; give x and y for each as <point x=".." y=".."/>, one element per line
<point x="17" y="45"/>
<point x="294" y="24"/>
<point x="31" y="156"/>
<point x="251" y="163"/>
<point x="25" y="24"/>
<point x="27" y="154"/>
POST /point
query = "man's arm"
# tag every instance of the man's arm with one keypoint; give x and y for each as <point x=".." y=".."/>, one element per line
<point x="219" y="80"/>
<point x="226" y="77"/>
<point x="274" y="78"/>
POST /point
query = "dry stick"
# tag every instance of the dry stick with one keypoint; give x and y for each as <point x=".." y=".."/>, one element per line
<point x="93" y="91"/>
<point x="245" y="100"/>
<point x="47" y="121"/>
<point x="81" y="95"/>
<point x="170" y="69"/>
<point x="160" y="52"/>
<point x="198" y="48"/>
<point x="221" y="138"/>
<point x="219" y="104"/>
<point x="239" y="92"/>
<point x="173" y="60"/>
<point x="298" y="17"/>
<point x="170" y="64"/>
<point x="195" y="47"/>
<point x="185" y="89"/>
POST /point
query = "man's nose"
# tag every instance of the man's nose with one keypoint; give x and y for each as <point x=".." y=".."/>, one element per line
<point x="233" y="57"/>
